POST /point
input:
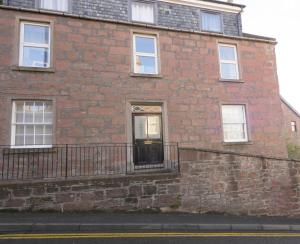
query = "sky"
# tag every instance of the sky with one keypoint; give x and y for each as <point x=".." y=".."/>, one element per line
<point x="279" y="19"/>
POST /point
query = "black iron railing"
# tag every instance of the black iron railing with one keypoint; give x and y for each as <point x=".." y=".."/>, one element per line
<point x="69" y="161"/>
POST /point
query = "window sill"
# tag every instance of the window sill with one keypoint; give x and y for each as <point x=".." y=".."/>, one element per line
<point x="146" y="75"/>
<point x="233" y="81"/>
<point x="33" y="69"/>
<point x="214" y="32"/>
<point x="237" y="143"/>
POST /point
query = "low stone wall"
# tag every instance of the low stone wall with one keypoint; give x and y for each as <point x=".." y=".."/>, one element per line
<point x="210" y="181"/>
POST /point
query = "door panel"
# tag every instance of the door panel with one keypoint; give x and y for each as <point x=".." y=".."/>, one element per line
<point x="147" y="139"/>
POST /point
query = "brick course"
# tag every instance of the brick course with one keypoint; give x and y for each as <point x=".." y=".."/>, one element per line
<point x="92" y="82"/>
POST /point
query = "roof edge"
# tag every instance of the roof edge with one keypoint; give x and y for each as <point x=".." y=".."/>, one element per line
<point x="290" y="106"/>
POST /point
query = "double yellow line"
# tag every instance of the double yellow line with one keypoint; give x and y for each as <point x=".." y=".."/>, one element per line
<point x="139" y="235"/>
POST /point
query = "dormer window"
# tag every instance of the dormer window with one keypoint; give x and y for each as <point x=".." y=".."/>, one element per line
<point x="211" y="21"/>
<point x="55" y="5"/>
<point x="142" y="12"/>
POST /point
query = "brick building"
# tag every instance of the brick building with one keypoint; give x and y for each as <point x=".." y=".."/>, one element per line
<point x="141" y="72"/>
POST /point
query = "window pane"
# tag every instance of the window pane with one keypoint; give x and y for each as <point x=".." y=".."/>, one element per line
<point x="143" y="12"/>
<point x="38" y="117"/>
<point x="59" y="5"/>
<point x="19" y="106"/>
<point x="39" y="140"/>
<point x="140" y="127"/>
<point x="233" y="114"/>
<point x="145" y="45"/>
<point x="146" y="65"/>
<point x="48" y="118"/>
<point x="36" y="34"/>
<point x="19" y="129"/>
<point x="154" y="127"/>
<point x="48" y="129"/>
<point x="211" y="22"/>
<point x="29" y="140"/>
<point x="229" y="71"/>
<point x="35" y="57"/>
<point x="29" y="129"/>
<point x="39" y="129"/>
<point x="28" y="117"/>
<point x="19" y="117"/>
<point x="19" y="141"/>
<point x="234" y="132"/>
<point x="48" y="140"/>
<point x="227" y="53"/>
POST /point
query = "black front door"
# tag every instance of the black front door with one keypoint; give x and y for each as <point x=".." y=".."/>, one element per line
<point x="147" y="139"/>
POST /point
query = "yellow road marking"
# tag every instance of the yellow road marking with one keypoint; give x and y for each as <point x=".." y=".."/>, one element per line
<point x="139" y="235"/>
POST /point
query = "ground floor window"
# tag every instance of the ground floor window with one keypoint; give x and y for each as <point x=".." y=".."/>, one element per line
<point x="32" y="124"/>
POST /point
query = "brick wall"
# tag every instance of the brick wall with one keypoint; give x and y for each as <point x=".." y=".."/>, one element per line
<point x="168" y="14"/>
<point x="92" y="82"/>
<point x="210" y="181"/>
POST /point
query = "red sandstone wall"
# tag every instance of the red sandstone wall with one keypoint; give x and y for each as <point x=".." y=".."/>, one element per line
<point x="91" y="83"/>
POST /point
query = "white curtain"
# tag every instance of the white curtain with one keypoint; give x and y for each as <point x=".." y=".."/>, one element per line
<point x="59" y="5"/>
<point x="142" y="12"/>
<point x="211" y="22"/>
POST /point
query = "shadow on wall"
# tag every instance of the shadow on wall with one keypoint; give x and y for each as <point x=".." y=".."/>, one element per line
<point x="293" y="151"/>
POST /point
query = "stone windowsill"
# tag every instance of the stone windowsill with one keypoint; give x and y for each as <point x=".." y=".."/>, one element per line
<point x="232" y="81"/>
<point x="33" y="69"/>
<point x="158" y="76"/>
<point x="237" y="143"/>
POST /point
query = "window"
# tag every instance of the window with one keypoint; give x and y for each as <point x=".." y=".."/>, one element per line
<point x="34" y="45"/>
<point x="142" y="12"/>
<point x="32" y="124"/>
<point x="294" y="126"/>
<point x="145" y="54"/>
<point x="234" y="123"/>
<point x="58" y="5"/>
<point x="211" y="22"/>
<point x="228" y="62"/>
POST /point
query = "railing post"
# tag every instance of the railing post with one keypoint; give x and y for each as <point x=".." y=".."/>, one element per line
<point x="67" y="147"/>
<point x="126" y="158"/>
<point x="178" y="157"/>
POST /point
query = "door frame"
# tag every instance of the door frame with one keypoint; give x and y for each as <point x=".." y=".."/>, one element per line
<point x="129" y="128"/>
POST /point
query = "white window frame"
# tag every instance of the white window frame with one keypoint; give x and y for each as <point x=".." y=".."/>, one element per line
<point x="154" y="55"/>
<point x="294" y="126"/>
<point x="14" y="123"/>
<point x="39" y="4"/>
<point x="212" y="13"/>
<point x="149" y="3"/>
<point x="245" y="125"/>
<point x="236" y="63"/>
<point x="37" y="45"/>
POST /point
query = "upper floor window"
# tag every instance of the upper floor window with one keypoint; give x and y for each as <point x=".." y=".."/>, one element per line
<point x="142" y="12"/>
<point x="32" y="123"/>
<point x="229" y="68"/>
<point x="294" y="126"/>
<point x="57" y="5"/>
<point x="234" y="123"/>
<point x="34" y="45"/>
<point x="211" y="21"/>
<point x="145" y="54"/>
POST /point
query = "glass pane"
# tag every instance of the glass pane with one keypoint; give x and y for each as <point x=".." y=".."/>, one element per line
<point x="59" y="5"/>
<point x="36" y="34"/>
<point x="229" y="71"/>
<point x="48" y="140"/>
<point x="19" y="140"/>
<point x="140" y="124"/>
<point x="29" y="140"/>
<point x="28" y="117"/>
<point x="38" y="117"/>
<point x="146" y="65"/>
<point x="39" y="140"/>
<point x="19" y="118"/>
<point x="146" y="108"/>
<point x="29" y="129"/>
<point x="227" y="53"/>
<point x="211" y="22"/>
<point x="39" y="107"/>
<point x="48" y="129"/>
<point x="154" y="127"/>
<point x="233" y="114"/>
<point x="48" y="106"/>
<point x="145" y="44"/>
<point x="35" y="57"/>
<point x="19" y="106"/>
<point x="29" y="106"/>
<point x="19" y="129"/>
<point x="142" y="12"/>
<point x="234" y="132"/>
<point x="39" y="129"/>
<point x="48" y="117"/>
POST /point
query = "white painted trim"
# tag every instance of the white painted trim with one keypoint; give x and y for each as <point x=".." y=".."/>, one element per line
<point x="206" y="5"/>
<point x="235" y="62"/>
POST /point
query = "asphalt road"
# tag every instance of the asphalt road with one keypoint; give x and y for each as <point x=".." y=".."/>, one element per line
<point x="160" y="238"/>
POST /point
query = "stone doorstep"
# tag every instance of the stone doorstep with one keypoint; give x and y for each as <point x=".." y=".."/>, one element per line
<point x="65" y="227"/>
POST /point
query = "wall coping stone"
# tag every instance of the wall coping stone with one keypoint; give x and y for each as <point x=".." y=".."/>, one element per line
<point x="238" y="154"/>
<point x="265" y="40"/>
<point x="158" y="176"/>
